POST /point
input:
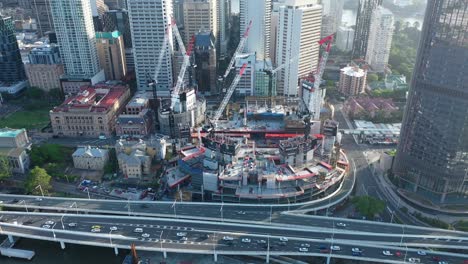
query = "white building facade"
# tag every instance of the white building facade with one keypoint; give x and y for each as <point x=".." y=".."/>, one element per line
<point x="74" y="27"/>
<point x="149" y="21"/>
<point x="299" y="30"/>
<point x="380" y="39"/>
<point x="246" y="84"/>
<point x="259" y="12"/>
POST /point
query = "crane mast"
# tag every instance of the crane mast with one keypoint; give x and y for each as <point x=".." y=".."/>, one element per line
<point x="228" y="95"/>
<point x="185" y="64"/>
<point x="239" y="50"/>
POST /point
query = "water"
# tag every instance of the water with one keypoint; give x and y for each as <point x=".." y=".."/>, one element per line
<point x="349" y="18"/>
<point x="51" y="253"/>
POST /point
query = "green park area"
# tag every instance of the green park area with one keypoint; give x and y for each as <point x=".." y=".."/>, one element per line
<point x="34" y="106"/>
<point x="29" y="119"/>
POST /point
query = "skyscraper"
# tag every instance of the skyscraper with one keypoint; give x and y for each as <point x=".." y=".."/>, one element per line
<point x="111" y="53"/>
<point x="299" y="29"/>
<point x="41" y="12"/>
<point x="75" y="33"/>
<point x="200" y="16"/>
<point x="11" y="65"/>
<point x="117" y="20"/>
<point x="363" y="20"/>
<point x="149" y="20"/>
<point x="223" y="7"/>
<point x="332" y="13"/>
<point x="432" y="157"/>
<point x="380" y="39"/>
<point x="259" y="12"/>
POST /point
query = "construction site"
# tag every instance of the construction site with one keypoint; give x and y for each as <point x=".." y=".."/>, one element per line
<point x="266" y="149"/>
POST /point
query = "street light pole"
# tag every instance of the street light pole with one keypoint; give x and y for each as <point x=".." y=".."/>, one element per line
<point x="160" y="240"/>
<point x="222" y="217"/>
<point x="40" y="188"/>
<point x="87" y="190"/>
<point x="76" y="206"/>
<point x="61" y="221"/>
<point x="110" y="237"/>
<point x="25" y="205"/>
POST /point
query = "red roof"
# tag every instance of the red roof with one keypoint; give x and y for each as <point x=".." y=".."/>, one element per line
<point x="98" y="98"/>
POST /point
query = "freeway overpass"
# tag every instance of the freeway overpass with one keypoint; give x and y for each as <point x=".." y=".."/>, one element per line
<point x="203" y="237"/>
<point x="235" y="213"/>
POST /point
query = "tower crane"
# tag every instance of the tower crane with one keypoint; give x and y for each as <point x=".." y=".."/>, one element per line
<point x="227" y="97"/>
<point x="317" y="79"/>
<point x="239" y="50"/>
<point x="271" y="73"/>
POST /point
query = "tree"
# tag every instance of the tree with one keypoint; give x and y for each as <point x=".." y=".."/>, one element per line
<point x="5" y="168"/>
<point x="368" y="206"/>
<point x="372" y="77"/>
<point x="37" y="177"/>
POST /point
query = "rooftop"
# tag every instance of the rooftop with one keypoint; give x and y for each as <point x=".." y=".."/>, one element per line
<point x="10" y="132"/>
<point x="98" y="98"/>
<point x="90" y="152"/>
<point x="353" y="71"/>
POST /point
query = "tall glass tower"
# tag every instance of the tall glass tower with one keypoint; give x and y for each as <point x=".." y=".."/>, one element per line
<point x="432" y="157"/>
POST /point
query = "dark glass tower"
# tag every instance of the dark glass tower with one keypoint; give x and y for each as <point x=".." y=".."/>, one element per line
<point x="432" y="157"/>
<point x="11" y="65"/>
<point x="363" y="20"/>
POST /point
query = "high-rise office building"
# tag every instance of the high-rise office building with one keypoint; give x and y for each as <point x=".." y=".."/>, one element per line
<point x="98" y="8"/>
<point x="259" y="12"/>
<point x="224" y="11"/>
<point x="298" y="34"/>
<point x="73" y="22"/>
<point x="11" y="65"/>
<point x="45" y="67"/>
<point x="344" y="38"/>
<point x="331" y="19"/>
<point x="380" y="39"/>
<point x="149" y="21"/>
<point x="117" y="20"/>
<point x="116" y="4"/>
<point x="41" y="12"/>
<point x="205" y="59"/>
<point x="111" y="53"/>
<point x="199" y="16"/>
<point x="274" y="28"/>
<point x="363" y="22"/>
<point x="432" y="157"/>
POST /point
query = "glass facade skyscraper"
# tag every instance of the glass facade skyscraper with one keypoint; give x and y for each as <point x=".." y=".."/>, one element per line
<point x="11" y="65"/>
<point x="432" y="157"/>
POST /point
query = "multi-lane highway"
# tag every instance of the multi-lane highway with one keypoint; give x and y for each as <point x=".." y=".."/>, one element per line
<point x="245" y="215"/>
<point x="179" y="235"/>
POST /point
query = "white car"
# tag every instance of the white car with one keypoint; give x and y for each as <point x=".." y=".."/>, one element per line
<point x="46" y="226"/>
<point x="261" y="241"/>
<point x="228" y="238"/>
<point x="335" y="248"/>
<point x="72" y="224"/>
<point x="183" y="238"/>
<point x="414" y="260"/>
<point x="283" y="239"/>
<point x="358" y="250"/>
<point x="387" y="253"/>
<point x="246" y="240"/>
<point x="49" y="223"/>
<point x="241" y="212"/>
<point x="305" y="245"/>
<point x="145" y="235"/>
<point x="341" y="225"/>
<point x="422" y="253"/>
<point x="181" y="234"/>
<point x="96" y="230"/>
<point x="113" y="228"/>
<point x="38" y="199"/>
<point x="138" y="230"/>
<point x="303" y="249"/>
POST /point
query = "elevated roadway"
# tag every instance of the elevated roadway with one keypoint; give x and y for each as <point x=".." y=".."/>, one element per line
<point x="201" y="237"/>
